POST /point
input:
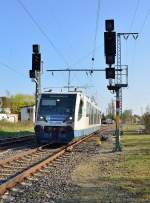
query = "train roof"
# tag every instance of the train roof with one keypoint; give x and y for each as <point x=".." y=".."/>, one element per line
<point x="62" y="92"/>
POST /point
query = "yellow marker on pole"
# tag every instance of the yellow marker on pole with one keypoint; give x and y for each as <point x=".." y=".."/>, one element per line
<point x="117" y="121"/>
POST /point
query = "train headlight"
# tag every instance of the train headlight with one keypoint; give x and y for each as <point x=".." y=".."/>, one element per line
<point x="70" y="120"/>
<point x="42" y="118"/>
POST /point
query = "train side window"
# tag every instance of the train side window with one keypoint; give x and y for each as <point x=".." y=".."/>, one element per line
<point x="87" y="109"/>
<point x="90" y="114"/>
<point x="80" y="110"/>
<point x="97" y="117"/>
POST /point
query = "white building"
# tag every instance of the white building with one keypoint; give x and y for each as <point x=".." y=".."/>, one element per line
<point x="13" y="118"/>
<point x="28" y="113"/>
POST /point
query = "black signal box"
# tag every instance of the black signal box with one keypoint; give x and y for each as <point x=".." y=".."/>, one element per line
<point x="110" y="73"/>
<point x="36" y="62"/>
<point x="31" y="74"/>
<point x="109" y="25"/>
<point x="36" y="48"/>
<point x="110" y="59"/>
<point x="110" y="43"/>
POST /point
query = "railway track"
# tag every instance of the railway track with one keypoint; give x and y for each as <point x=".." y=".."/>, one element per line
<point x="8" y="142"/>
<point x="16" y="168"/>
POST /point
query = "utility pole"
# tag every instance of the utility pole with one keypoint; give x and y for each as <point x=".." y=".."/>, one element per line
<point x="35" y="73"/>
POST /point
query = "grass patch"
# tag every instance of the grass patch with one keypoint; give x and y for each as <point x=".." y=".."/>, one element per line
<point x="130" y="127"/>
<point x="8" y="129"/>
<point x="121" y="177"/>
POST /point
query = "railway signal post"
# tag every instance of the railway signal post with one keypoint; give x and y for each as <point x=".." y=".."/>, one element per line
<point x="35" y="73"/>
<point x="110" y="53"/>
<point x="115" y="76"/>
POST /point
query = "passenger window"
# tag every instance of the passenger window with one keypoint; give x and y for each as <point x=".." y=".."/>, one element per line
<point x="80" y="110"/>
<point x="87" y="109"/>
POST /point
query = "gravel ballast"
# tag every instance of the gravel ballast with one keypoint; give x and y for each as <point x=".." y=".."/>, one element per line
<point x="58" y="183"/>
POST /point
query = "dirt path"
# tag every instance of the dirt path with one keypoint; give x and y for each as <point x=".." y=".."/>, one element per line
<point x="108" y="177"/>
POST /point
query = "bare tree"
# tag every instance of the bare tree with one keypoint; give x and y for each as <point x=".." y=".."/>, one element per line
<point x="110" y="111"/>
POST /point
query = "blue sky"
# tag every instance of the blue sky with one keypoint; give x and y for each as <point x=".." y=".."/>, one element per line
<point x="70" y="25"/>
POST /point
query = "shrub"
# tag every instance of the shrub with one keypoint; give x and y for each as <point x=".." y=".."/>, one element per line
<point x="146" y="119"/>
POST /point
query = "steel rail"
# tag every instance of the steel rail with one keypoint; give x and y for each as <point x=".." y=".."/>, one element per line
<point x="40" y="164"/>
<point x="20" y="155"/>
<point x="9" y="141"/>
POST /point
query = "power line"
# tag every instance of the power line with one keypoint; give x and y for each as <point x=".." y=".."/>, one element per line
<point x="131" y="25"/>
<point x="96" y="31"/>
<point x="87" y="55"/>
<point x="10" y="68"/>
<point x="43" y="32"/>
<point x="144" y="22"/>
<point x="134" y="15"/>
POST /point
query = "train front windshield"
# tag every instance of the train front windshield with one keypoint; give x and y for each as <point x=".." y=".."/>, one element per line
<point x="56" y="107"/>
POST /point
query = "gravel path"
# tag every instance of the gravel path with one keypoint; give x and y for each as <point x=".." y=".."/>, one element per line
<point x="54" y="184"/>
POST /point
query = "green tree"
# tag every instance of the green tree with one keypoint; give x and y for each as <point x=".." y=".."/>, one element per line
<point x="17" y="101"/>
<point x="6" y="102"/>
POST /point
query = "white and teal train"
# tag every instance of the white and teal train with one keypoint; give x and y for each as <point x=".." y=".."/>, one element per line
<point x="63" y="116"/>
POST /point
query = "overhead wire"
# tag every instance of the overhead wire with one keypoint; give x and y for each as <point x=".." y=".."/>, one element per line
<point x="81" y="59"/>
<point x="96" y="31"/>
<point x="134" y="15"/>
<point x="61" y="29"/>
<point x="94" y="43"/>
<point x="59" y="53"/>
<point x="131" y="26"/>
<point x="87" y="55"/>
<point x="144" y="22"/>
<point x="10" y="68"/>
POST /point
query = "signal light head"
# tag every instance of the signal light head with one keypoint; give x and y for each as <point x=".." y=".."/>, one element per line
<point x="36" y="48"/>
<point x="110" y="59"/>
<point x="109" y="25"/>
<point x="110" y="43"/>
<point x="31" y="73"/>
<point x="110" y="73"/>
<point x="36" y="62"/>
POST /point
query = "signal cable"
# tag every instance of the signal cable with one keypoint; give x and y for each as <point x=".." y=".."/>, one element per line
<point x="43" y="32"/>
<point x="96" y="31"/>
